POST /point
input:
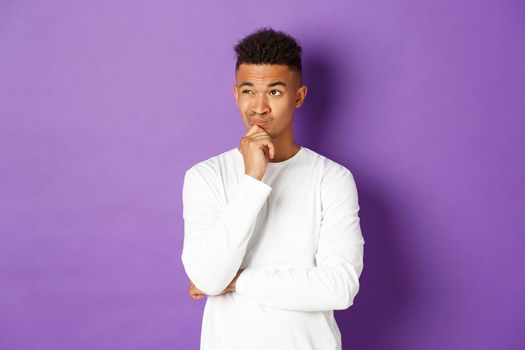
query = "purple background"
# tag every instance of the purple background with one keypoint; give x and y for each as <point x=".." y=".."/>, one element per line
<point x="104" y="105"/>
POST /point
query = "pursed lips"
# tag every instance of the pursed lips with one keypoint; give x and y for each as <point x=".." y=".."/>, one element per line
<point x="259" y="121"/>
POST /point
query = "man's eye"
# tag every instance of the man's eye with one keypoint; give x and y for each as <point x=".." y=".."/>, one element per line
<point x="278" y="92"/>
<point x="246" y="91"/>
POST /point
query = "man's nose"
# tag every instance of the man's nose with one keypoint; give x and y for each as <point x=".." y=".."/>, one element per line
<point x="261" y="106"/>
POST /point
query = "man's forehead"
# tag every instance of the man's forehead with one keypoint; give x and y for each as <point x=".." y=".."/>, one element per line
<point x="262" y="73"/>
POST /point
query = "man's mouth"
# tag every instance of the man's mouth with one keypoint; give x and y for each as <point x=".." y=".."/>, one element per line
<point x="259" y="122"/>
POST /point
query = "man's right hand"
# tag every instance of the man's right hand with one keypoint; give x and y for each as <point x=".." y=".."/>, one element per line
<point x="196" y="293"/>
<point x="257" y="149"/>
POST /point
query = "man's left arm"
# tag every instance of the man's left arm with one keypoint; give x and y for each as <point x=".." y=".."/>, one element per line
<point x="334" y="282"/>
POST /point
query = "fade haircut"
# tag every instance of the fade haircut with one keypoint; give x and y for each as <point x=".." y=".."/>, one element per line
<point x="268" y="46"/>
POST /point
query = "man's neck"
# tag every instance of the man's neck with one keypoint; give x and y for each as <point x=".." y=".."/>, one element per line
<point x="284" y="152"/>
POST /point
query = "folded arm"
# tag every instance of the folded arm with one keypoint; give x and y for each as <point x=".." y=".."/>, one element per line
<point x="216" y="233"/>
<point x="334" y="282"/>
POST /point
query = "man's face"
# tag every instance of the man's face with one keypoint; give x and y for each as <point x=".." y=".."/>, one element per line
<point x="267" y="95"/>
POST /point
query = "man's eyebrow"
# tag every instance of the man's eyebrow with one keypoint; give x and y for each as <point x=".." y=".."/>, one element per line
<point x="275" y="83"/>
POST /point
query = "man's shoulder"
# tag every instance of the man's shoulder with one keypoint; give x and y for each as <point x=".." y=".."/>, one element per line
<point x="329" y="167"/>
<point x="333" y="177"/>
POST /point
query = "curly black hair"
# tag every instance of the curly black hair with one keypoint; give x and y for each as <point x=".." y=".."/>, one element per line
<point x="268" y="46"/>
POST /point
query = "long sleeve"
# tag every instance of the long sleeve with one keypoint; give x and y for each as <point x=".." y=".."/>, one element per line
<point x="334" y="282"/>
<point x="216" y="233"/>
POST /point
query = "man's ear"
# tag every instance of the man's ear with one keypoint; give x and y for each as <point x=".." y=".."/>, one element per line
<point x="235" y="93"/>
<point x="301" y="94"/>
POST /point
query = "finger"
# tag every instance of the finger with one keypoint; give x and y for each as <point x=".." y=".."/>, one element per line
<point x="261" y="130"/>
<point x="197" y="291"/>
<point x="197" y="295"/>
<point x="194" y="291"/>
<point x="260" y="136"/>
<point x="268" y="146"/>
<point x="253" y="130"/>
<point x="265" y="143"/>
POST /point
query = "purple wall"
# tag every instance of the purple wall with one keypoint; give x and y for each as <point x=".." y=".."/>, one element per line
<point x="104" y="105"/>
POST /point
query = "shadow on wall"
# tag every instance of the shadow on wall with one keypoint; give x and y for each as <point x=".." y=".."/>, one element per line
<point x="330" y="89"/>
<point x="383" y="302"/>
<point x="317" y="112"/>
<point x="387" y="298"/>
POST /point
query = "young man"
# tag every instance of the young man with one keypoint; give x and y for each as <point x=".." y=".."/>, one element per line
<point x="272" y="234"/>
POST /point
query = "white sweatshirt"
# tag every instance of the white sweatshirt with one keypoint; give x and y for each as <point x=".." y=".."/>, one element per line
<point x="297" y="235"/>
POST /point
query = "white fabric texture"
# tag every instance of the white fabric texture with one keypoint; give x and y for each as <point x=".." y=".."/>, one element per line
<point x="296" y="233"/>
